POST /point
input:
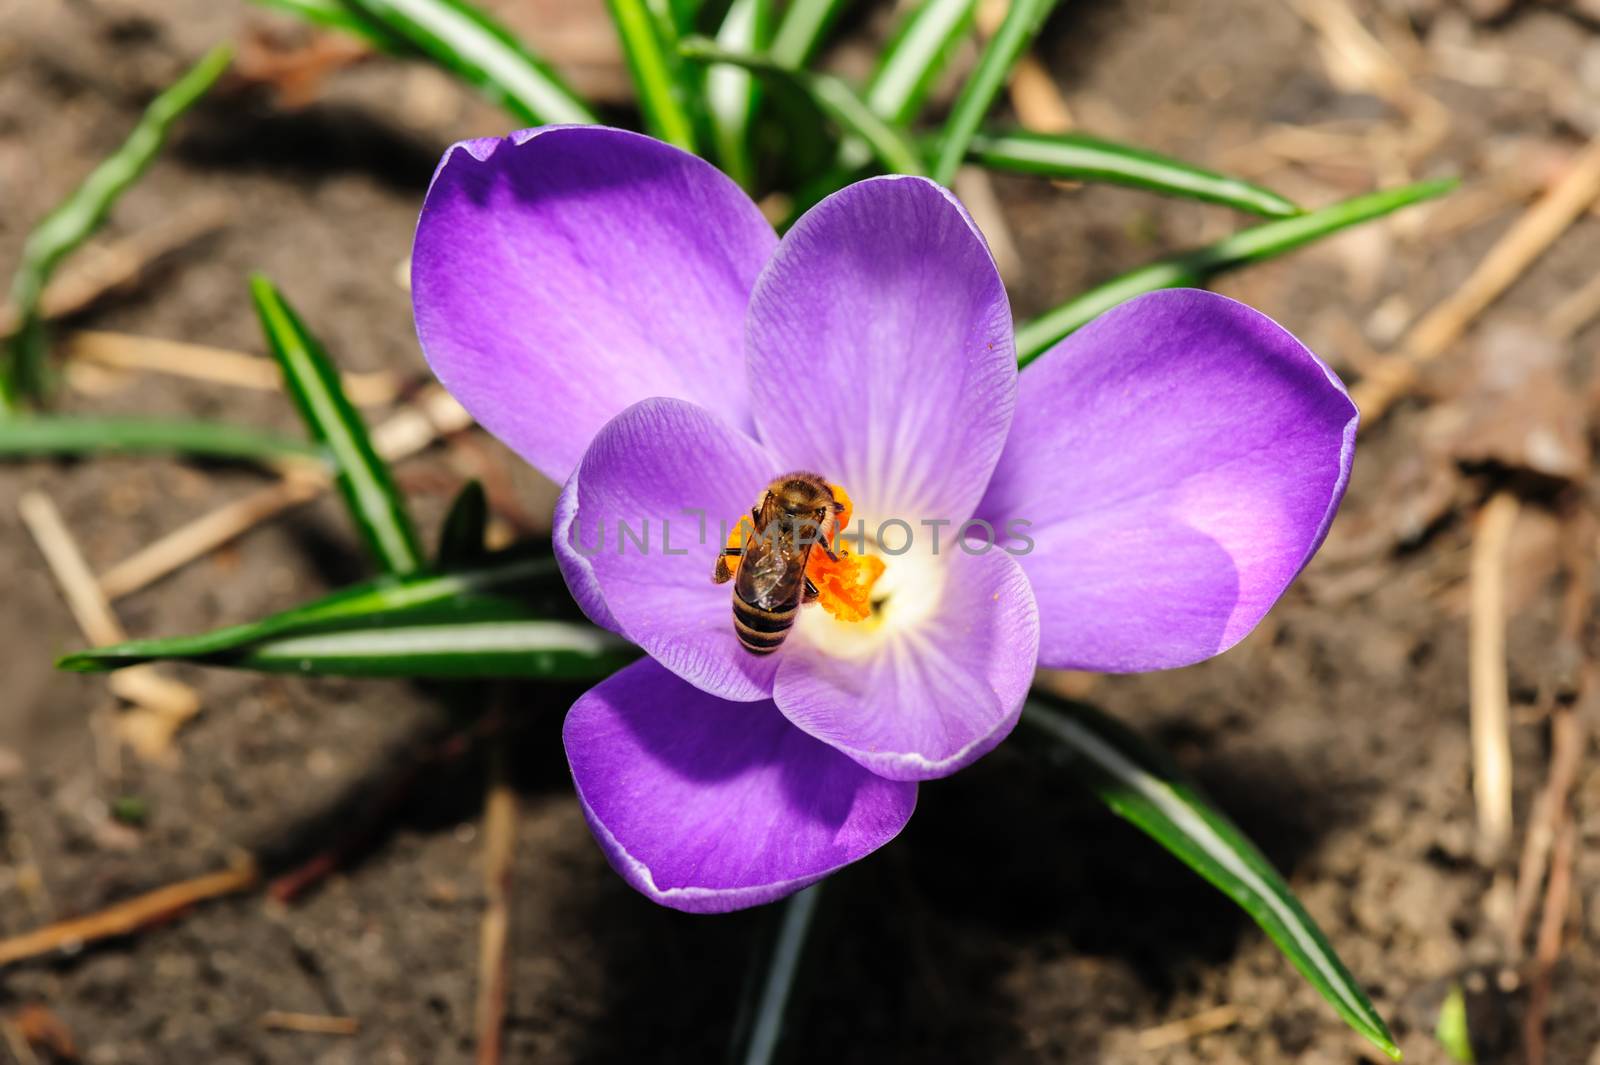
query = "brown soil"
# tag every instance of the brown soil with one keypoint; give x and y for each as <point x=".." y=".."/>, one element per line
<point x="1015" y="921"/>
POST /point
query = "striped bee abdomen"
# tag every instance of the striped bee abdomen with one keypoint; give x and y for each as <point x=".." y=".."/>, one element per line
<point x="762" y="631"/>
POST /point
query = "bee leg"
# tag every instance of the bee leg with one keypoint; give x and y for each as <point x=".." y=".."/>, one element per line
<point x="722" y="574"/>
<point x="811" y="592"/>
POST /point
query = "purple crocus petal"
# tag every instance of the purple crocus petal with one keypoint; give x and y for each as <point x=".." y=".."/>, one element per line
<point x="707" y="805"/>
<point x="565" y="272"/>
<point x="1179" y="459"/>
<point x="928" y="699"/>
<point x="571" y="556"/>
<point x="880" y="350"/>
<point x="677" y="477"/>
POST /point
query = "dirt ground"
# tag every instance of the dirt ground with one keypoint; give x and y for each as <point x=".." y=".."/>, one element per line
<point x="1014" y="921"/>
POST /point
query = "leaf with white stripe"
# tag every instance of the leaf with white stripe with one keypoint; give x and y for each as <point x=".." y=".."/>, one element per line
<point x="1139" y="784"/>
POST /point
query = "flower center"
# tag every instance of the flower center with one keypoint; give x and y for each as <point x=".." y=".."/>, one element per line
<point x="845" y="582"/>
<point x="868" y="591"/>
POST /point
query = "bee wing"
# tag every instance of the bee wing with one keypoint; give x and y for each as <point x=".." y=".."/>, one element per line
<point x="770" y="572"/>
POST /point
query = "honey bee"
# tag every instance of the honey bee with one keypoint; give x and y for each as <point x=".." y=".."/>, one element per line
<point x="798" y="512"/>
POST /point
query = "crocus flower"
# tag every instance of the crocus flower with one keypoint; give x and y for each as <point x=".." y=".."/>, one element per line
<point x="620" y="314"/>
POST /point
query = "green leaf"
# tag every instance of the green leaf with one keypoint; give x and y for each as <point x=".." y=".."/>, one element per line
<point x="490" y="622"/>
<point x="461" y="540"/>
<point x="1454" y="1029"/>
<point x="650" y="44"/>
<point x="801" y="30"/>
<point x="833" y="97"/>
<point x="733" y="93"/>
<point x="461" y="649"/>
<point x="765" y="1026"/>
<point x="1017" y="31"/>
<point x="906" y="72"/>
<point x="1079" y="157"/>
<point x="22" y="371"/>
<point x="480" y="51"/>
<point x="1140" y="785"/>
<point x="915" y="56"/>
<point x="363" y="478"/>
<point x="373" y="604"/>
<point x="61" y="435"/>
<point x="339" y="15"/>
<point x="1195" y="267"/>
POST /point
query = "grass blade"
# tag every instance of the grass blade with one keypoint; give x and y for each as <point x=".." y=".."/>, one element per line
<point x="767" y="1024"/>
<point x="654" y="62"/>
<point x="1017" y="31"/>
<point x="363" y="479"/>
<point x="461" y="540"/>
<point x="480" y="51"/>
<point x="1139" y="785"/>
<point x="23" y="373"/>
<point x="1080" y="157"/>
<point x="370" y="605"/>
<point x="906" y="71"/>
<point x="1195" y="267"/>
<point x="732" y="92"/>
<point x="491" y="622"/>
<point x="534" y="648"/>
<point x="338" y="15"/>
<point x="801" y="30"/>
<point x="914" y="57"/>
<point x="833" y="97"/>
<point x="29" y="436"/>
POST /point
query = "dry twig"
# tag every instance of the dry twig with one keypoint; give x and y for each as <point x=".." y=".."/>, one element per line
<point x="1491" y="742"/>
<point x="1575" y="311"/>
<point x="1522" y="244"/>
<point x="312" y="1023"/>
<point x="101" y="268"/>
<point x="499" y="845"/>
<point x="1547" y="948"/>
<point x="130" y="915"/>
<point x="1181" y="1031"/>
<point x="407" y="432"/>
<point x="200" y="362"/>
<point x="163" y="704"/>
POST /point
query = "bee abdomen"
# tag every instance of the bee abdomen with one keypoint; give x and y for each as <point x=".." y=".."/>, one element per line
<point x="761" y="631"/>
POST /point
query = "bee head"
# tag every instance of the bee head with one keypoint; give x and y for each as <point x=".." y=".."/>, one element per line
<point x="801" y="494"/>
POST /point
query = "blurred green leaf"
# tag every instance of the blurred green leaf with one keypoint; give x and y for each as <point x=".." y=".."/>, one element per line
<point x="733" y="93"/>
<point x="1453" y="1030"/>
<point x="22" y="369"/>
<point x="833" y="97"/>
<point x="461" y="540"/>
<point x="1195" y="267"/>
<point x="915" y="56"/>
<point x="63" y="435"/>
<point x="907" y="69"/>
<point x="1139" y="784"/>
<point x="474" y="47"/>
<point x="1017" y="31"/>
<point x="339" y="15"/>
<point x="1079" y="157"/>
<point x="650" y="44"/>
<point x="804" y="24"/>
<point x="363" y="478"/>
<point x="510" y="582"/>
